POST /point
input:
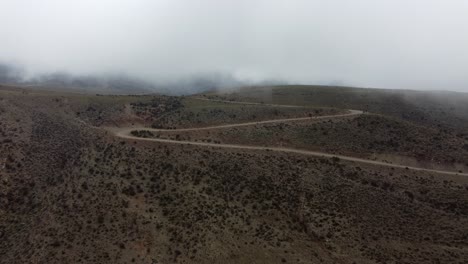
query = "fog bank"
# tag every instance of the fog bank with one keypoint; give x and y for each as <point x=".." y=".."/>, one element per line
<point x="390" y="44"/>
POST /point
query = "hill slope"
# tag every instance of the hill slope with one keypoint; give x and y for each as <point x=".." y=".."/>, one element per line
<point x="72" y="192"/>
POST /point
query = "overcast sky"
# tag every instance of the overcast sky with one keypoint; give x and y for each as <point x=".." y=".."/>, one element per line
<point x="419" y="44"/>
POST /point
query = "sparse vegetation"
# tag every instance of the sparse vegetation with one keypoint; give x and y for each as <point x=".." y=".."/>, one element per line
<point x="75" y="193"/>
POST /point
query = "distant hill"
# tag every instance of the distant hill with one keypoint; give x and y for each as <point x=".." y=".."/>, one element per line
<point x="436" y="108"/>
<point x="117" y="83"/>
<point x="10" y="74"/>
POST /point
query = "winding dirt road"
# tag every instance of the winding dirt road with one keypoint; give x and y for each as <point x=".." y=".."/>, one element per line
<point x="283" y="120"/>
<point x="126" y="133"/>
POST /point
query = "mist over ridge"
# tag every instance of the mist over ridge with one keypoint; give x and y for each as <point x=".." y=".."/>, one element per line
<point x="390" y="44"/>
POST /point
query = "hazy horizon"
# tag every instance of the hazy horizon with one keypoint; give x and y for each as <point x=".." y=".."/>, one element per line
<point x="385" y="44"/>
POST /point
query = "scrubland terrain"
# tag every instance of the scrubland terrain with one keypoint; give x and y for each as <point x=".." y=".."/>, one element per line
<point x="367" y="136"/>
<point x="73" y="192"/>
<point x="193" y="112"/>
<point x="445" y="110"/>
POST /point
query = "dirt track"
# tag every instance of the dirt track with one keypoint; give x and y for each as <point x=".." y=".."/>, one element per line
<point x="125" y="133"/>
<point x="351" y="113"/>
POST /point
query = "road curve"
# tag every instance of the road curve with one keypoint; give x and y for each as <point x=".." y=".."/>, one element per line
<point x="283" y="120"/>
<point x="126" y="134"/>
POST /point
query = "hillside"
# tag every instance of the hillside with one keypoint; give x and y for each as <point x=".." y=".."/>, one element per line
<point x="74" y="192"/>
<point x="370" y="136"/>
<point x="448" y="110"/>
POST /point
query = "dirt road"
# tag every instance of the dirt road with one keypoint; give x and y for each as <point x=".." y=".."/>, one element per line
<point x="125" y="133"/>
<point x="283" y="120"/>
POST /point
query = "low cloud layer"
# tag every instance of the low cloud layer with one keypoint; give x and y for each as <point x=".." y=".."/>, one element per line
<point x="419" y="44"/>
